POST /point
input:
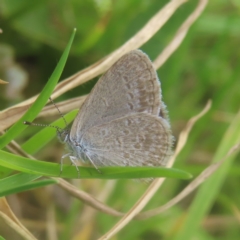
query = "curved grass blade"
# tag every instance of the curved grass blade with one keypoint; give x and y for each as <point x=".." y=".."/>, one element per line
<point x="33" y="111"/>
<point x="52" y="169"/>
<point x="26" y="187"/>
<point x="16" y="179"/>
<point x="21" y="182"/>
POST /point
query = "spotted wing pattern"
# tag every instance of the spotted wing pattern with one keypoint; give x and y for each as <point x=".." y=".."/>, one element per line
<point x="130" y="86"/>
<point x="137" y="140"/>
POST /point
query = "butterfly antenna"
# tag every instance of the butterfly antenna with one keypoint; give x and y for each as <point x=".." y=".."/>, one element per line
<point x="42" y="125"/>
<point x="59" y="111"/>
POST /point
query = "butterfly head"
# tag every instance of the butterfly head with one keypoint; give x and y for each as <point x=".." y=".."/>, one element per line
<point x="63" y="135"/>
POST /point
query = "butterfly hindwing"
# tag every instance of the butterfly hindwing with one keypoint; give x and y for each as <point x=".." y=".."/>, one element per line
<point x="136" y="140"/>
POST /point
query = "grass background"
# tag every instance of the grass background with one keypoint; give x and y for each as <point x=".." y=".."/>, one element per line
<point x="206" y="65"/>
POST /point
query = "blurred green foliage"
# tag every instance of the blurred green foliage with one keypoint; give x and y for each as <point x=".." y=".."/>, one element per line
<point x="206" y="65"/>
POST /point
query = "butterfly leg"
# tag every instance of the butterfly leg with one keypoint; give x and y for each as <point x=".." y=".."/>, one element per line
<point x="73" y="161"/>
<point x="61" y="163"/>
<point x="93" y="163"/>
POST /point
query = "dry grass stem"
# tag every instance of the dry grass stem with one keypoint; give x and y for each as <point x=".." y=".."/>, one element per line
<point x="87" y="198"/>
<point x="39" y="225"/>
<point x="192" y="186"/>
<point x="3" y="82"/>
<point x="140" y="204"/>
<point x="184" y="134"/>
<point x="88" y="214"/>
<point x="13" y="147"/>
<point x="51" y="223"/>
<point x="180" y="35"/>
<point x="16" y="227"/>
<point x="12" y="221"/>
<point x="64" y="106"/>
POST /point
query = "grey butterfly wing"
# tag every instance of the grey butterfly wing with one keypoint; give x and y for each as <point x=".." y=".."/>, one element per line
<point x="136" y="140"/>
<point x="131" y="85"/>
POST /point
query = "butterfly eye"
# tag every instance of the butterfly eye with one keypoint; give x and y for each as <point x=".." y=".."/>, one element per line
<point x="63" y="135"/>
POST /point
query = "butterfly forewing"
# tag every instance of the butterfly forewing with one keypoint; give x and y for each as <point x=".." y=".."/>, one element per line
<point x="130" y="86"/>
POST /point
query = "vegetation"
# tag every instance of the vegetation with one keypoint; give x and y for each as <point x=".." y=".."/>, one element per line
<point x="35" y="34"/>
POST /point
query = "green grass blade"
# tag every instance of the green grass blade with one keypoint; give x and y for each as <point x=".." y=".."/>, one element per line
<point x="26" y="187"/>
<point x="44" y="136"/>
<point x="16" y="180"/>
<point x="209" y="190"/>
<point x="33" y="111"/>
<point x="52" y="169"/>
<point x="143" y="172"/>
